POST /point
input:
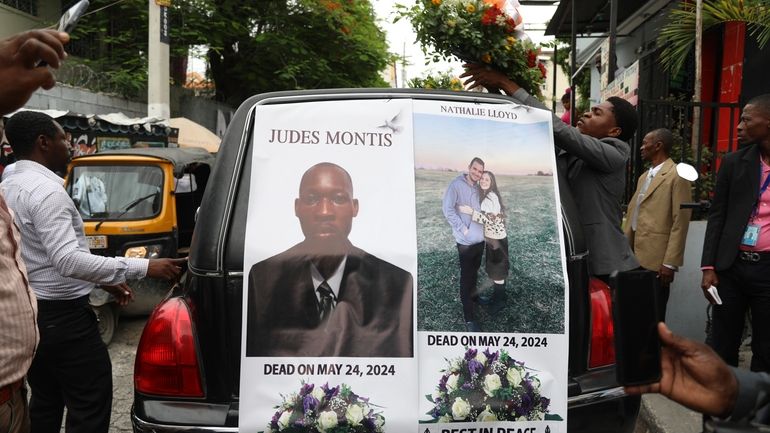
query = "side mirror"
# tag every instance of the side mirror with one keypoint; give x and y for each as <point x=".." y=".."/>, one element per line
<point x="687" y="172"/>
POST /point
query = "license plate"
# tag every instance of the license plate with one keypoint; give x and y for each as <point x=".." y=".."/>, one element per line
<point x="97" y="242"/>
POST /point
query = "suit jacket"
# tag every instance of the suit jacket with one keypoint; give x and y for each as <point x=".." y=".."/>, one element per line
<point x="735" y="194"/>
<point x="596" y="172"/>
<point x="661" y="229"/>
<point x="372" y="318"/>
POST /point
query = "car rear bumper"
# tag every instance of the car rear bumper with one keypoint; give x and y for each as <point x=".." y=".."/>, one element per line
<point x="605" y="411"/>
<point x="148" y="427"/>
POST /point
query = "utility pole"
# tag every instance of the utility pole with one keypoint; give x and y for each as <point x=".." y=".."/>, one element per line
<point x="158" y="60"/>
<point x="696" y="115"/>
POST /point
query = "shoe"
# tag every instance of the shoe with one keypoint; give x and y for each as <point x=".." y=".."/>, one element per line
<point x="498" y="304"/>
<point x="483" y="299"/>
<point x="472" y="326"/>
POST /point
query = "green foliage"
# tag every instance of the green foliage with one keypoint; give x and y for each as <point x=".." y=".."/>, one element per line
<point x="253" y="47"/>
<point x="677" y="36"/>
<point x="444" y="80"/>
<point x="478" y="32"/>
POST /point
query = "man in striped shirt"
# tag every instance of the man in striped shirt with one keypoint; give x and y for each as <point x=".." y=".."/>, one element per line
<point x="19" y="78"/>
<point x="72" y="367"/>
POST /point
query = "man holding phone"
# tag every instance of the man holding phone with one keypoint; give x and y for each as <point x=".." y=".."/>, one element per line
<point x="19" y="78"/>
<point x="736" y="249"/>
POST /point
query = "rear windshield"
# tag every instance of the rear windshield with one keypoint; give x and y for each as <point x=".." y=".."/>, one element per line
<point x="124" y="192"/>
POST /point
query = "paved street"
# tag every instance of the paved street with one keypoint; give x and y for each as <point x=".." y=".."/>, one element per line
<point x="122" y="352"/>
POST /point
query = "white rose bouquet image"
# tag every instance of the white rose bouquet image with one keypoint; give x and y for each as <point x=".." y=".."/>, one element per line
<point x="487" y="387"/>
<point x="324" y="409"/>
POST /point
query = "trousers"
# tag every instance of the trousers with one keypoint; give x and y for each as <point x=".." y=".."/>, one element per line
<point x="745" y="285"/>
<point x="72" y="368"/>
<point x="470" y="262"/>
<point x="14" y="414"/>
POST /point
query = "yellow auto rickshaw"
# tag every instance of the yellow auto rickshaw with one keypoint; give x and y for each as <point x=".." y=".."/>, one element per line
<point x="142" y="203"/>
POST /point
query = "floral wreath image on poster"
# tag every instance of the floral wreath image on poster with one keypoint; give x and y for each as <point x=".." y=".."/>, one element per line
<point x="489" y="386"/>
<point x="321" y="409"/>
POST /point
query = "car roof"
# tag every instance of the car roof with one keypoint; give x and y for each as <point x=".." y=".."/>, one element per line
<point x="181" y="158"/>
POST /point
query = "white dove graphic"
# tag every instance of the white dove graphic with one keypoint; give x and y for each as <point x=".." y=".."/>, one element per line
<point x="392" y="124"/>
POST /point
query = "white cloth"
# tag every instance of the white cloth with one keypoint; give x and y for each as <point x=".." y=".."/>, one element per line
<point x="54" y="246"/>
<point x="90" y="194"/>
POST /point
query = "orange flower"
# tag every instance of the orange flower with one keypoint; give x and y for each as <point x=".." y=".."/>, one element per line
<point x="436" y="2"/>
<point x="486" y="58"/>
<point x="500" y="4"/>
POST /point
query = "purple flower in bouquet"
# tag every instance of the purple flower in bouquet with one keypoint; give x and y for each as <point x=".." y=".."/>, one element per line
<point x="309" y="403"/>
<point x="475" y="367"/>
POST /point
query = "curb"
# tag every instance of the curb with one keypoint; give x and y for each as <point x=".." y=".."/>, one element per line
<point x="657" y="414"/>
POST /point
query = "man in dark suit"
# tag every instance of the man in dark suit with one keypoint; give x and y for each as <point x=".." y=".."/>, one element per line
<point x="324" y="296"/>
<point x="592" y="156"/>
<point x="736" y="250"/>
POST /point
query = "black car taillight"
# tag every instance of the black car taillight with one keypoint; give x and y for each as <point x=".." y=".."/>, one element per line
<point x="167" y="359"/>
<point x="602" y="328"/>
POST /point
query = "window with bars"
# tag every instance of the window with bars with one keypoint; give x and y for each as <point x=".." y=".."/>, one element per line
<point x="28" y="6"/>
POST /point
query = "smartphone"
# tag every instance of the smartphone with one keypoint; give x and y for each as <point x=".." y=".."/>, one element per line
<point x="68" y="21"/>
<point x="70" y="18"/>
<point x="635" y="313"/>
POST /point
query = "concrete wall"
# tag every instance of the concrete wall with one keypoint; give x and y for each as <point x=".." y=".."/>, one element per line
<point x="213" y="115"/>
<point x="13" y="20"/>
<point x="686" y="312"/>
<point x="64" y="97"/>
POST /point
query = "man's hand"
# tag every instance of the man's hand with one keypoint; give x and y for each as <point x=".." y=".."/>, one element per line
<point x="165" y="269"/>
<point x="709" y="279"/>
<point x="488" y="77"/>
<point x="665" y="275"/>
<point x="121" y="292"/>
<point x="19" y="77"/>
<point x="693" y="375"/>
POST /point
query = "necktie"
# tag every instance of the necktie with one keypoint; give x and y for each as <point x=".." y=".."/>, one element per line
<point x="639" y="198"/>
<point x="326" y="303"/>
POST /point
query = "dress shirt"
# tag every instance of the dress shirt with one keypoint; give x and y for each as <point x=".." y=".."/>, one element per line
<point x="18" y="307"/>
<point x="334" y="282"/>
<point x="55" y="250"/>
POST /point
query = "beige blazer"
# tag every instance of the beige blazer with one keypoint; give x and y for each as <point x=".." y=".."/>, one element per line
<point x="661" y="226"/>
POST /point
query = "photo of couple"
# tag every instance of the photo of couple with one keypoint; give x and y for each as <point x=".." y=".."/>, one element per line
<point x="489" y="256"/>
<point x="474" y="209"/>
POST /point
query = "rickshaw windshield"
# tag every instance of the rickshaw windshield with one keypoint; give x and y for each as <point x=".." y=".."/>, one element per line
<point x="116" y="192"/>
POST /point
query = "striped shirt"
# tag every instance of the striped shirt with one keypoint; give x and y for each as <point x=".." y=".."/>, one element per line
<point x="54" y="246"/>
<point x="18" y="307"/>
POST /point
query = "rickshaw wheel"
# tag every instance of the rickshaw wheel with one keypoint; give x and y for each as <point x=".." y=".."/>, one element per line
<point x="108" y="321"/>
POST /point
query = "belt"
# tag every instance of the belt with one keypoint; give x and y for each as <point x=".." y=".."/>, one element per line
<point x="754" y="256"/>
<point x="7" y="391"/>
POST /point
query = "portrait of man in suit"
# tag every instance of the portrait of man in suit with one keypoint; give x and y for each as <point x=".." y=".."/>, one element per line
<point x="656" y="226"/>
<point x="324" y="296"/>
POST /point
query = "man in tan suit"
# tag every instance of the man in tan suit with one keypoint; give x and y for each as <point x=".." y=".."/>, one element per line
<point x="655" y="225"/>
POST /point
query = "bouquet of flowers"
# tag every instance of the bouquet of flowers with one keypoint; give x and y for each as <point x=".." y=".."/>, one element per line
<point x="486" y="387"/>
<point x="478" y="31"/>
<point x="324" y="409"/>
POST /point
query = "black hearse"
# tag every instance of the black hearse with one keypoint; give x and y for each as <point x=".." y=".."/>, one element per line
<point x="187" y="368"/>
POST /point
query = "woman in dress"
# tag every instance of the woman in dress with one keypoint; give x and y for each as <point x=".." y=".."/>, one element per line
<point x="492" y="216"/>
